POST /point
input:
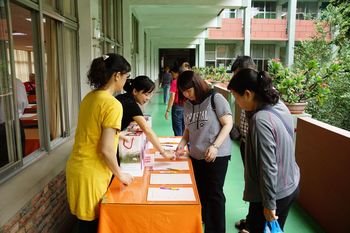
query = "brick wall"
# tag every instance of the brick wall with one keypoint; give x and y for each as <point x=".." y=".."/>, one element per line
<point x="46" y="212"/>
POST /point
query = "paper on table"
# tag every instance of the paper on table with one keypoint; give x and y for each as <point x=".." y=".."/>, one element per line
<point x="170" y="179"/>
<point x="27" y="115"/>
<point x="178" y="194"/>
<point x="170" y="140"/>
<point x="183" y="165"/>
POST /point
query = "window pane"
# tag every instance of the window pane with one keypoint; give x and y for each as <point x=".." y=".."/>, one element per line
<point x="52" y="82"/>
<point x="69" y="8"/>
<point x="71" y="64"/>
<point x="22" y="21"/>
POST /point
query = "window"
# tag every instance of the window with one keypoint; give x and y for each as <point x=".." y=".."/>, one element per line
<point x="261" y="54"/>
<point x="264" y="10"/>
<point x="22" y="33"/>
<point x="37" y="124"/>
<point x="306" y="10"/>
<point x="219" y="55"/>
<point x="72" y="76"/>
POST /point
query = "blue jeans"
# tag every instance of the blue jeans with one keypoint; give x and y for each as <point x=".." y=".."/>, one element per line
<point x="177" y="118"/>
<point x="166" y="88"/>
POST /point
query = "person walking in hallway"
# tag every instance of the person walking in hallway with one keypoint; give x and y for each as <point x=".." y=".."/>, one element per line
<point x="166" y="80"/>
<point x="175" y="105"/>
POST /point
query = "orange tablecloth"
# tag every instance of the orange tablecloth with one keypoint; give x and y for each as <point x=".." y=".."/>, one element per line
<point x="125" y="209"/>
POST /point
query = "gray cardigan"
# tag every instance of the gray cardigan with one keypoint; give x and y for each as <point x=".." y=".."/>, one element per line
<point x="271" y="172"/>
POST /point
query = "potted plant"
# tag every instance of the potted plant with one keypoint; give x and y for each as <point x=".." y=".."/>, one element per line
<point x="299" y="85"/>
<point x="212" y="74"/>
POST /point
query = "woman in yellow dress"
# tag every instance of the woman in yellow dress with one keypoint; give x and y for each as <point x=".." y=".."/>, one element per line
<point x="92" y="161"/>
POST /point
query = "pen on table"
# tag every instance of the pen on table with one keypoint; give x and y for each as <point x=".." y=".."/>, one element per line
<point x="173" y="169"/>
<point x="168" y="188"/>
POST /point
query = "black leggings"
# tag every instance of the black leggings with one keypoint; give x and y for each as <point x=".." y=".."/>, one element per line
<point x="87" y="226"/>
<point x="256" y="219"/>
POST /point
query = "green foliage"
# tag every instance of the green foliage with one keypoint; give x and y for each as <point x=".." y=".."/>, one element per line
<point x="213" y="74"/>
<point x="335" y="55"/>
<point x="301" y="84"/>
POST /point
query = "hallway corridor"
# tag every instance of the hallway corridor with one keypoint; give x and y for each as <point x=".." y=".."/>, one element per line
<point x="298" y="221"/>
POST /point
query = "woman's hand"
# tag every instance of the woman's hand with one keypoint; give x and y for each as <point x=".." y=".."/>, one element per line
<point x="270" y="215"/>
<point x="211" y="153"/>
<point x="125" y="178"/>
<point x="168" y="155"/>
<point x="180" y="151"/>
<point x="166" y="115"/>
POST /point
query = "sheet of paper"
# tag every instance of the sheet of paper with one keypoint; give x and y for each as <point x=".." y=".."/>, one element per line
<point x="170" y="140"/>
<point x="173" y="194"/>
<point x="27" y="115"/>
<point x="171" y="165"/>
<point x="170" y="179"/>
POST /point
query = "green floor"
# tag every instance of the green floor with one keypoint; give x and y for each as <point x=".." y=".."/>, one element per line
<point x="298" y="221"/>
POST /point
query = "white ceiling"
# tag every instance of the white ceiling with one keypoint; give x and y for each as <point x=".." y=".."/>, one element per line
<point x="178" y="23"/>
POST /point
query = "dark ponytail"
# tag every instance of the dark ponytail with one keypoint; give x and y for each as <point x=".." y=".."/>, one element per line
<point x="258" y="82"/>
<point x="102" y="69"/>
<point x="140" y="83"/>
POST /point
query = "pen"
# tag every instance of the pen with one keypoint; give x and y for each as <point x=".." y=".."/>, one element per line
<point x="168" y="188"/>
<point x="173" y="169"/>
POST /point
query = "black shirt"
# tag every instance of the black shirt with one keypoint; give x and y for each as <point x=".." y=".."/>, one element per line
<point x="130" y="109"/>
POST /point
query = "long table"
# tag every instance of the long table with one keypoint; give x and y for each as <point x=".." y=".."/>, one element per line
<point x="127" y="209"/>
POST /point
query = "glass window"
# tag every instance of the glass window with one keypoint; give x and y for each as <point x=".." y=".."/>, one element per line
<point x="264" y="10"/>
<point x="219" y="55"/>
<point x="50" y="4"/>
<point x="22" y="23"/>
<point x="71" y="75"/>
<point x="69" y="8"/>
<point x="52" y="80"/>
<point x="261" y="54"/>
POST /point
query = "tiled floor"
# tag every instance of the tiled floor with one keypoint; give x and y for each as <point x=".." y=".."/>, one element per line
<point x="297" y="222"/>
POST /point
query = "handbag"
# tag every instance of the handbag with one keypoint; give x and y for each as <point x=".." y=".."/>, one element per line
<point x="272" y="227"/>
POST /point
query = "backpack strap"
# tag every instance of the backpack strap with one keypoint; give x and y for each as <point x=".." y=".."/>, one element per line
<point x="212" y="101"/>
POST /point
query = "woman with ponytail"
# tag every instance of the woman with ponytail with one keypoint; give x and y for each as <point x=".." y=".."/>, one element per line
<point x="271" y="173"/>
<point x="92" y="162"/>
<point x="138" y="92"/>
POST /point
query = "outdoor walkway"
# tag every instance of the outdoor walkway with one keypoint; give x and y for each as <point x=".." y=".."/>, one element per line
<point x="236" y="209"/>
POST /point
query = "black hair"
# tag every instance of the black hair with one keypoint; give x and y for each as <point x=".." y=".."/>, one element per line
<point x="175" y="69"/>
<point x="102" y="69"/>
<point x="140" y="83"/>
<point x="242" y="62"/>
<point x="258" y="82"/>
<point x="189" y="79"/>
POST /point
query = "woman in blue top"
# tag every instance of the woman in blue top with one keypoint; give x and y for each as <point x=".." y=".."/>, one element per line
<point x="270" y="172"/>
<point x="207" y="134"/>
